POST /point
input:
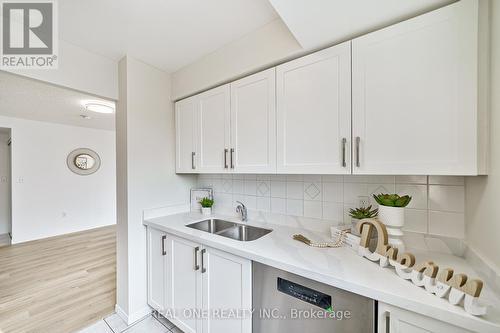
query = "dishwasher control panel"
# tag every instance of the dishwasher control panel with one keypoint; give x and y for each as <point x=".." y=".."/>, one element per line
<point x="305" y="294"/>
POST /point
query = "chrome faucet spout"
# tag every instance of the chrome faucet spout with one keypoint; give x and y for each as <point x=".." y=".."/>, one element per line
<point x="242" y="210"/>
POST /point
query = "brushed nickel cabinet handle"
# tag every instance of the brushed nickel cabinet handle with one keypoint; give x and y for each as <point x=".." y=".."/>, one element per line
<point x="344" y="141"/>
<point x="358" y="139"/>
<point x="225" y="158"/>
<point x="231" y="157"/>
<point x="203" y="269"/>
<point x="192" y="160"/>
<point x="196" y="266"/>
<point x="163" y="251"/>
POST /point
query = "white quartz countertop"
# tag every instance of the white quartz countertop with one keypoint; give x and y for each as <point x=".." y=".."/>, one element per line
<point x="340" y="267"/>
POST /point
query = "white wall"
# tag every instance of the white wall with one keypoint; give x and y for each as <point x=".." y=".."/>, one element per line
<point x="146" y="174"/>
<point x="483" y="193"/>
<point x="4" y="184"/>
<point x="81" y="70"/>
<point x="257" y="50"/>
<point x="47" y="198"/>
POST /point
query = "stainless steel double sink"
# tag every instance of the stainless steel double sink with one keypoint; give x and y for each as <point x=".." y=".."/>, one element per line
<point x="236" y="231"/>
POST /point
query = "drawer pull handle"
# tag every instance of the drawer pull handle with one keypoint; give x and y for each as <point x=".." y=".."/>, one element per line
<point x="163" y="251"/>
<point x="196" y="266"/>
<point x="225" y="158"/>
<point x="203" y="269"/>
<point x="344" y="141"/>
<point x="358" y="140"/>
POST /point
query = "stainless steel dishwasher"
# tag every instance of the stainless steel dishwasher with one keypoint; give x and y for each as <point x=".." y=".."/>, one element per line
<point x="285" y="302"/>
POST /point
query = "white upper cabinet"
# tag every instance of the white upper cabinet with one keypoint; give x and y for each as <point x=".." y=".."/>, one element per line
<point x="253" y="123"/>
<point x="407" y="99"/>
<point x="213" y="119"/>
<point x="186" y="133"/>
<point x="314" y="113"/>
<point x="416" y="108"/>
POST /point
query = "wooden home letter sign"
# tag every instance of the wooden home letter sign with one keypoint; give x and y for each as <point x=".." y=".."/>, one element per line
<point x="457" y="288"/>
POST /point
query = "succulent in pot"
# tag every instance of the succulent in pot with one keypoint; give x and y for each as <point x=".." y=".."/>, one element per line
<point x="206" y="205"/>
<point x="391" y="212"/>
<point x="360" y="213"/>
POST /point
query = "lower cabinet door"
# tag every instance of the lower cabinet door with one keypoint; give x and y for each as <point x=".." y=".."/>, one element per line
<point x="156" y="268"/>
<point x="183" y="282"/>
<point x="227" y="292"/>
<point x="396" y="320"/>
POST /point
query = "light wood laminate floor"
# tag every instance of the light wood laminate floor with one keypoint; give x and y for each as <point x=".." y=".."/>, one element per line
<point x="58" y="284"/>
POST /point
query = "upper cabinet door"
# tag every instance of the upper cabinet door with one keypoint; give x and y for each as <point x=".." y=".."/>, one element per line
<point x="213" y="119"/>
<point x="415" y="95"/>
<point x="185" y="134"/>
<point x="253" y="123"/>
<point x="314" y="113"/>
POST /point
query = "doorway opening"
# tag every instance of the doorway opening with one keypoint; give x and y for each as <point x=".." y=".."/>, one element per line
<point x="5" y="186"/>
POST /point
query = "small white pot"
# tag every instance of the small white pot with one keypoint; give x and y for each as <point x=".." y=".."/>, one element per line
<point x="206" y="210"/>
<point x="354" y="223"/>
<point x="394" y="220"/>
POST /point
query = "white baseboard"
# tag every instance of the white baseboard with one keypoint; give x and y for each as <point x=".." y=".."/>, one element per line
<point x="134" y="317"/>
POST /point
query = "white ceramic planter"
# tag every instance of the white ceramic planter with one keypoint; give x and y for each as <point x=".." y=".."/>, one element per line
<point x="354" y="223"/>
<point x="206" y="210"/>
<point x="394" y="220"/>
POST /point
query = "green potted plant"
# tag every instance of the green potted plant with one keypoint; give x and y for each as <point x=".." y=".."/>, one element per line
<point x="206" y="205"/>
<point x="360" y="213"/>
<point x="391" y="212"/>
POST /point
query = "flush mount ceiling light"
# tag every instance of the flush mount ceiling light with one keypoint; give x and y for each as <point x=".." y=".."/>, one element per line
<point x="99" y="106"/>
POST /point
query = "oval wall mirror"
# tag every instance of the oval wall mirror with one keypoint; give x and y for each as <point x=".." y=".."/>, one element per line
<point x="83" y="161"/>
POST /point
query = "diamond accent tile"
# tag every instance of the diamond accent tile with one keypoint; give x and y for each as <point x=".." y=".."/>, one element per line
<point x="312" y="191"/>
<point x="380" y="189"/>
<point x="263" y="189"/>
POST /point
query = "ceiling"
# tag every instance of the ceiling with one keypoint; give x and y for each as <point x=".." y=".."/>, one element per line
<point x="167" y="34"/>
<point x="315" y="23"/>
<point x="21" y="97"/>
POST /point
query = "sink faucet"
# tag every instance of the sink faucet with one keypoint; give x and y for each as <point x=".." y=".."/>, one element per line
<point x="242" y="210"/>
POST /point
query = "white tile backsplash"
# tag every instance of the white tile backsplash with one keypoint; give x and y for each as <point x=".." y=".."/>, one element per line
<point x="447" y="198"/>
<point x="313" y="209"/>
<point x="447" y="224"/>
<point x="295" y="207"/>
<point x="294" y="190"/>
<point x="411" y="180"/>
<point x="417" y="192"/>
<point x="437" y="206"/>
<point x="446" y="180"/>
<point x="312" y="191"/>
<point x="278" y="189"/>
<point x="264" y="204"/>
<point x="333" y="192"/>
<point x="416" y="220"/>
<point x="250" y="187"/>
<point x="263" y="188"/>
<point x="278" y="205"/>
